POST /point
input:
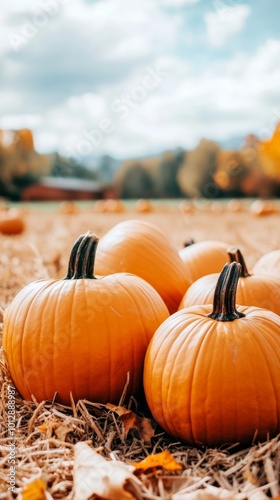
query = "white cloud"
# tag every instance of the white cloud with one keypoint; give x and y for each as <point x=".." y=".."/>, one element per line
<point x="223" y="100"/>
<point x="93" y="63"/>
<point x="142" y="28"/>
<point x="15" y="122"/>
<point x="176" y="3"/>
<point x="223" y="23"/>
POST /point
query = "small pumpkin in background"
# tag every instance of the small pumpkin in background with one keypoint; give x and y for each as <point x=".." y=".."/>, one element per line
<point x="235" y="205"/>
<point x="81" y="335"/>
<point x="68" y="207"/>
<point x="269" y="263"/>
<point x="144" y="205"/>
<point x="138" y="247"/>
<point x="114" y="206"/>
<point x="204" y="257"/>
<point x="262" y="207"/>
<point x="211" y="373"/>
<point x="11" y="222"/>
<point x="253" y="289"/>
<point x="99" y="206"/>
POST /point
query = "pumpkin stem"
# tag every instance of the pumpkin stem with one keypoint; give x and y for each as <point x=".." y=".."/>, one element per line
<point x="82" y="257"/>
<point x="236" y="256"/>
<point x="224" y="304"/>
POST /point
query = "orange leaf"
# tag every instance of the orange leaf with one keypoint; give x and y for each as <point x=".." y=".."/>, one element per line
<point x="36" y="490"/>
<point x="43" y="427"/>
<point x="163" y="460"/>
<point x="131" y="421"/>
<point x="250" y="477"/>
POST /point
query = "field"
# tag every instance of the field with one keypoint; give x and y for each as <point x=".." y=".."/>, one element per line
<point x="46" y="433"/>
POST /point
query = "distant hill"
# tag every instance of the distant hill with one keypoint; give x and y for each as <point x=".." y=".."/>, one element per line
<point x="231" y="142"/>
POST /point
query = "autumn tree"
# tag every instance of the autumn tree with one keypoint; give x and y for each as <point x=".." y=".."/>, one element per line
<point x="195" y="177"/>
<point x="166" y="178"/>
<point x="136" y="182"/>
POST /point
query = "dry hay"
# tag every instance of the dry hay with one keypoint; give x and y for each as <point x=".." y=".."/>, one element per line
<point x="46" y="432"/>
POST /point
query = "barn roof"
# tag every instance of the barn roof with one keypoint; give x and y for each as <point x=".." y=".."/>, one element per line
<point x="71" y="183"/>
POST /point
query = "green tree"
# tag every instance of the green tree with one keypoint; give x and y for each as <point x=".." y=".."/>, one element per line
<point x="136" y="182"/>
<point x="166" y="180"/>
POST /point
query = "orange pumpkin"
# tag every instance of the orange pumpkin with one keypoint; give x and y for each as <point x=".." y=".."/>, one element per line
<point x="138" y="247"/>
<point x="68" y="207"/>
<point x="235" y="205"/>
<point x="204" y="257"/>
<point x="81" y="335"/>
<point x="262" y="207"/>
<point x="268" y="264"/>
<point x="114" y="206"/>
<point x="144" y="206"/>
<point x="253" y="289"/>
<point x="99" y="206"/>
<point x="11" y="222"/>
<point x="211" y="373"/>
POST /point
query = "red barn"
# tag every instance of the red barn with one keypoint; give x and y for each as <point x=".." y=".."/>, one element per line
<point x="67" y="188"/>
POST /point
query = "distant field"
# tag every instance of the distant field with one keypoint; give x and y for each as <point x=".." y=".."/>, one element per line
<point x="84" y="205"/>
<point x="49" y="235"/>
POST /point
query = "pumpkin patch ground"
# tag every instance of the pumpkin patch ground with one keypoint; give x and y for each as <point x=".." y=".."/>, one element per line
<point x="117" y="451"/>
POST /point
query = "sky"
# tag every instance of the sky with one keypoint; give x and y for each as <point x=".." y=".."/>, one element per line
<point x="131" y="78"/>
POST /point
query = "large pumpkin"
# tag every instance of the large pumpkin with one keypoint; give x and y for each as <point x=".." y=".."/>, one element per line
<point x="138" y="247"/>
<point x="211" y="373"/>
<point x="81" y="335"/>
<point x="253" y="289"/>
<point x="204" y="257"/>
<point x="269" y="263"/>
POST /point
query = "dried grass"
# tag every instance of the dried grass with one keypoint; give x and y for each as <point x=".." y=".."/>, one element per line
<point x="46" y="432"/>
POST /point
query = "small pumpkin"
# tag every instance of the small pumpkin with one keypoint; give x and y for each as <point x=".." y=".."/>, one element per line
<point x="144" y="206"/>
<point x="235" y="205"/>
<point x="11" y="222"/>
<point x="211" y="373"/>
<point x="253" y="289"/>
<point x="269" y="263"/>
<point x="204" y="257"/>
<point x="262" y="207"/>
<point x="114" y="206"/>
<point x="99" y="206"/>
<point x="81" y="335"/>
<point x="141" y="248"/>
<point x="68" y="207"/>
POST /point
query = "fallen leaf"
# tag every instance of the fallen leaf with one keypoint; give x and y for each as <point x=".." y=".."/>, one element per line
<point x="35" y="490"/>
<point x="131" y="421"/>
<point x="43" y="427"/>
<point x="54" y="426"/>
<point x="95" y="475"/>
<point x="120" y="410"/>
<point x="250" y="477"/>
<point x="164" y="460"/>
<point x="62" y="430"/>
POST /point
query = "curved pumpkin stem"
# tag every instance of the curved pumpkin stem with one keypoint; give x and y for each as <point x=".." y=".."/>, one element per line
<point x="224" y="304"/>
<point x="236" y="256"/>
<point x="82" y="257"/>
